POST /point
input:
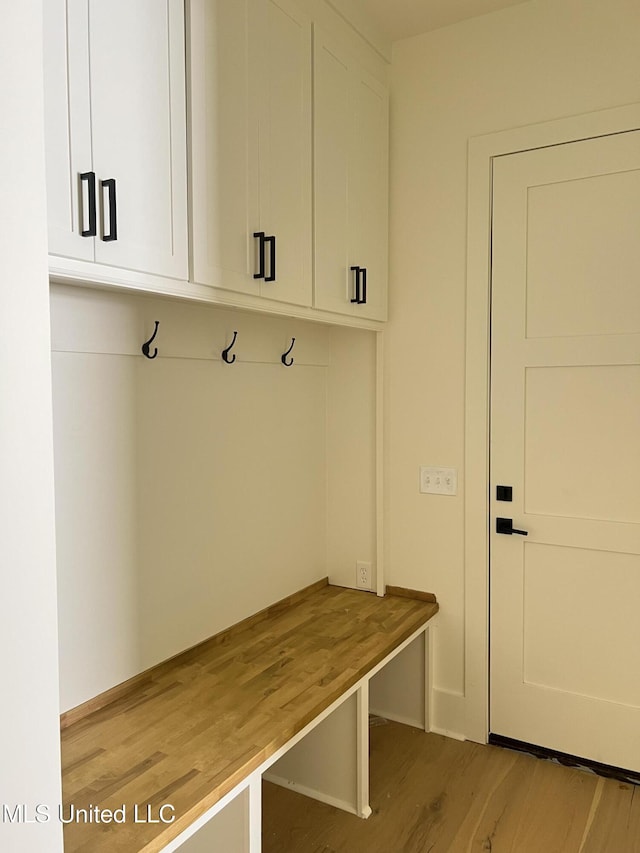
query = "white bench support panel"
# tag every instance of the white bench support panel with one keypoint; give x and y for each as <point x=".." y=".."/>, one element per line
<point x="228" y="830"/>
<point x="400" y="690"/>
<point x="324" y="765"/>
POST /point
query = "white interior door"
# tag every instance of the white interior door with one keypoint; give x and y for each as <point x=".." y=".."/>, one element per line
<point x="565" y="435"/>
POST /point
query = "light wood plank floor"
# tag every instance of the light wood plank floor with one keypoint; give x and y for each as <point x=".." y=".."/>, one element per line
<point x="431" y="794"/>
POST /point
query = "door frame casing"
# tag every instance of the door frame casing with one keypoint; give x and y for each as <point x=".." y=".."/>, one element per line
<point x="481" y="152"/>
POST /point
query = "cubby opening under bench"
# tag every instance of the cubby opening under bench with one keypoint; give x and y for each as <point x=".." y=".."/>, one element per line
<point x="177" y="754"/>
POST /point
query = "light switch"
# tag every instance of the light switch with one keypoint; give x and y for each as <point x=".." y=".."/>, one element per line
<point x="438" y="481"/>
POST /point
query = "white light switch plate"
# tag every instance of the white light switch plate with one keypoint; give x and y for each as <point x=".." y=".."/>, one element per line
<point x="438" y="481"/>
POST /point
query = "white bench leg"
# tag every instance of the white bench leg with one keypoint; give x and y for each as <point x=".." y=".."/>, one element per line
<point x="428" y="676"/>
<point x="255" y="813"/>
<point x="362" y="750"/>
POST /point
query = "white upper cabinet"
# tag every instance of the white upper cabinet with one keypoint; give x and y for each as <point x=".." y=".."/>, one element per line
<point x="351" y="184"/>
<point x="116" y="134"/>
<point x="250" y="119"/>
<point x="288" y="148"/>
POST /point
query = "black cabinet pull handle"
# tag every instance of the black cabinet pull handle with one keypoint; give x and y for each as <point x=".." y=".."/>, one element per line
<point x="360" y="285"/>
<point x="363" y="293"/>
<point x="505" y="525"/>
<point x="110" y="184"/>
<point x="272" y="254"/>
<point x="260" y="236"/>
<point x="90" y="178"/>
<point x="356" y="282"/>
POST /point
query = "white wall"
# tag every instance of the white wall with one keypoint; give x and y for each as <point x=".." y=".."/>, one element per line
<point x="29" y="742"/>
<point x="191" y="493"/>
<point x="351" y="455"/>
<point x="534" y="62"/>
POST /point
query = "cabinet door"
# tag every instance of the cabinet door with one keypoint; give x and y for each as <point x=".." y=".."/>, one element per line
<point x="224" y="146"/>
<point x="281" y="68"/>
<point x="138" y="125"/>
<point x="67" y="123"/>
<point x="351" y="167"/>
<point x="368" y="190"/>
<point x="332" y="118"/>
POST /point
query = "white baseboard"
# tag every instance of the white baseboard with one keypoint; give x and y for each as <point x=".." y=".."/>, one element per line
<point x="310" y="792"/>
<point x="448" y="733"/>
<point x="414" y="722"/>
<point x="448" y="714"/>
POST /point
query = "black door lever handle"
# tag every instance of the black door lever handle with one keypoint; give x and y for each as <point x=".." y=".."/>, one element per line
<point x="505" y="525"/>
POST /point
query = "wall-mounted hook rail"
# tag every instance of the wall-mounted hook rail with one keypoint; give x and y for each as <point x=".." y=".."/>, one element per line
<point x="283" y="358"/>
<point x="146" y="346"/>
<point x="225" y="352"/>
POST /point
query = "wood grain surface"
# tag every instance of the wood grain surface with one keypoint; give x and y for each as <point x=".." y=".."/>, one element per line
<point x="199" y="724"/>
<point x="432" y="794"/>
<point x="410" y="593"/>
<point x="94" y="704"/>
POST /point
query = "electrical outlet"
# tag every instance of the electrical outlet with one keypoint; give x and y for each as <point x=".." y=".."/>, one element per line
<point x="363" y="575"/>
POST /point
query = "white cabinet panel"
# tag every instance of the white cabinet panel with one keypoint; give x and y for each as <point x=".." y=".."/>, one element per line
<point x="224" y="200"/>
<point x="368" y="191"/>
<point x="250" y="98"/>
<point x="351" y="178"/>
<point x="67" y="122"/>
<point x="138" y="121"/>
<point x="284" y="47"/>
<point x="116" y="107"/>
<point x="332" y="123"/>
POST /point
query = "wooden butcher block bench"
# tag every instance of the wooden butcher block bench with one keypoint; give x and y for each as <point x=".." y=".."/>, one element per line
<point x="171" y="748"/>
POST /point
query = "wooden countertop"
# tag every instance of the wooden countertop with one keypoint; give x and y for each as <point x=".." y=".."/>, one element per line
<point x="188" y="731"/>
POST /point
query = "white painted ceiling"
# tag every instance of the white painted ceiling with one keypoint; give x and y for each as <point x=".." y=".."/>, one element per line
<point x="399" y="19"/>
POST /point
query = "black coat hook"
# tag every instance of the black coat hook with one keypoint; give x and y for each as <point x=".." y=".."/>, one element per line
<point x="147" y="345"/>
<point x="283" y="358"/>
<point x="225" y="352"/>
